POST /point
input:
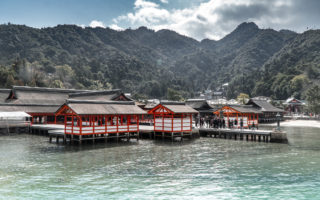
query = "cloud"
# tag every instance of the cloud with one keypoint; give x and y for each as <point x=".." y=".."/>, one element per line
<point x="215" y="18"/>
<point x="116" y="27"/>
<point x="81" y="25"/>
<point x="95" y="23"/>
<point x="164" y="1"/>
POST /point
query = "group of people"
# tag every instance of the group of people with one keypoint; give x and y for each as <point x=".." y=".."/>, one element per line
<point x="216" y="122"/>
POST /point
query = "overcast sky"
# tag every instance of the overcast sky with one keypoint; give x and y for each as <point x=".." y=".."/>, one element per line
<point x="195" y="18"/>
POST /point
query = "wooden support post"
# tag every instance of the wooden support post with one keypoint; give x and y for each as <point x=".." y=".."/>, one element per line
<point x="181" y="136"/>
<point x="80" y="139"/>
<point x="105" y="138"/>
<point x="64" y="139"/>
<point x="50" y="139"/>
<point x="57" y="139"/>
<point x="247" y="137"/>
<point x="117" y="136"/>
<point x="117" y="125"/>
<point x="72" y="124"/>
<point x="93" y="119"/>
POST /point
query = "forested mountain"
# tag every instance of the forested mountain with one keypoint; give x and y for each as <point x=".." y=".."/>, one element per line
<point x="151" y="63"/>
<point x="292" y="70"/>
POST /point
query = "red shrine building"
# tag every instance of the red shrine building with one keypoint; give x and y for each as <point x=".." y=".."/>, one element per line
<point x="88" y="118"/>
<point x="172" y="117"/>
<point x="248" y="115"/>
<point x="42" y="103"/>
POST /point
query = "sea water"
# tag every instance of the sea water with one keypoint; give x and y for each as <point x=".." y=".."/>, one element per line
<point x="206" y="168"/>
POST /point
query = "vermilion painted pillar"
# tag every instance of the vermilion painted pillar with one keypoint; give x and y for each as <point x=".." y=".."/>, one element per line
<point x="181" y="122"/>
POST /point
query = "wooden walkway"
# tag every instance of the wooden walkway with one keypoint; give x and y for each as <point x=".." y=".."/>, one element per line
<point x="241" y="134"/>
<point x="148" y="132"/>
<point x="57" y="132"/>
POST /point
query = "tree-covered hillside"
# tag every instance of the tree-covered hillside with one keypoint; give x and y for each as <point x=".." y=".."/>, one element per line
<point x="151" y="63"/>
<point x="293" y="70"/>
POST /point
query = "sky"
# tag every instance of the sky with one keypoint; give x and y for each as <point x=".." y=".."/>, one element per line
<point x="198" y="19"/>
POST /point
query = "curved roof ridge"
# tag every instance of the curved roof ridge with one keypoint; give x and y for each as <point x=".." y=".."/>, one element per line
<point x="99" y="92"/>
<point x="172" y="103"/>
<point x="46" y="89"/>
<point x="76" y="101"/>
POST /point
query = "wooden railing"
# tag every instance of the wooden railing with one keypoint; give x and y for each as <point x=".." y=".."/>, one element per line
<point x="14" y="123"/>
<point x="172" y="125"/>
<point x="85" y="130"/>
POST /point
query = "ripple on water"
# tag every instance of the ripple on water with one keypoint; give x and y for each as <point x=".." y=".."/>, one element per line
<point x="206" y="168"/>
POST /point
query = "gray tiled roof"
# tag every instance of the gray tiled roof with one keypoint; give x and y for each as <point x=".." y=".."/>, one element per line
<point x="264" y="105"/>
<point x="104" y="107"/>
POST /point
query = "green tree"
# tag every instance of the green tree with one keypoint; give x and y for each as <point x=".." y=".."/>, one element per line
<point x="298" y="82"/>
<point x="10" y="81"/>
<point x="313" y="72"/>
<point x="174" y="95"/>
<point x="64" y="72"/>
<point x="243" y="98"/>
<point x="313" y="98"/>
<point x="56" y="84"/>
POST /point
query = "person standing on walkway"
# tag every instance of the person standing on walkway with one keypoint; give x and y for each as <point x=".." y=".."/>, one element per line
<point x="197" y="120"/>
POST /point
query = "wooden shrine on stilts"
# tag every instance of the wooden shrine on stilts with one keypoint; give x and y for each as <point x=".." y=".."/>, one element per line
<point x="172" y="119"/>
<point x="90" y="120"/>
<point x="239" y="116"/>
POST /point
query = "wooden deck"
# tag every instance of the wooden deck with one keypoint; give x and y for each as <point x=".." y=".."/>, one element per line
<point x="147" y="132"/>
<point x="57" y="132"/>
<point x="241" y="134"/>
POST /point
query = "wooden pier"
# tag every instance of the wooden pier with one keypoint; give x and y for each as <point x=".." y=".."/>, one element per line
<point x="56" y="132"/>
<point x="241" y="134"/>
<point x="66" y="138"/>
<point x="147" y="132"/>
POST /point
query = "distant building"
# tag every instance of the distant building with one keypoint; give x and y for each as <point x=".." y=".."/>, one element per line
<point x="218" y="95"/>
<point x="201" y="105"/>
<point x="151" y="103"/>
<point x="268" y="111"/>
<point x="262" y="98"/>
<point x="294" y="106"/>
<point x="223" y="101"/>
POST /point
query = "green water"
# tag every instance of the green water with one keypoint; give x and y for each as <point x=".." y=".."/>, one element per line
<point x="207" y="168"/>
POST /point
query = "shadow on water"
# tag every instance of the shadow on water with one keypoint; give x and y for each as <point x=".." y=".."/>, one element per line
<point x="64" y="148"/>
<point x="88" y="146"/>
<point x="176" y="142"/>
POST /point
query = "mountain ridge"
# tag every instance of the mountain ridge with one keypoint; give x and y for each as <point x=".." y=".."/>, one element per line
<point x="141" y="61"/>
